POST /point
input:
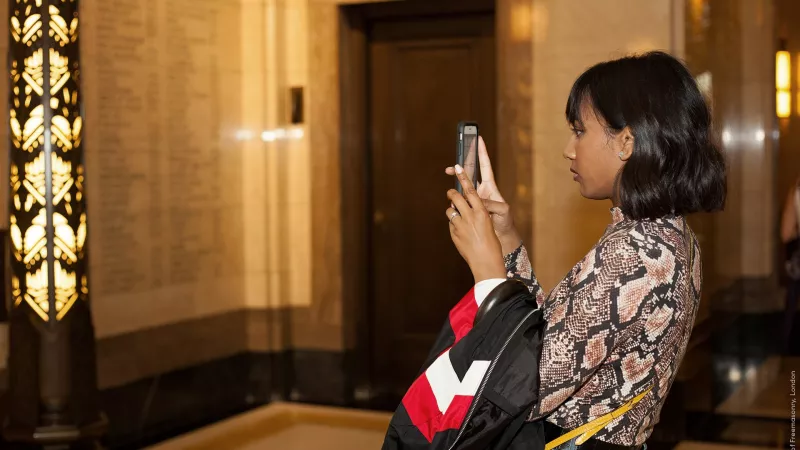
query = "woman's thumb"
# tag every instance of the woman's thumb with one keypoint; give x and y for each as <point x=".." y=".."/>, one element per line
<point x="494" y="207"/>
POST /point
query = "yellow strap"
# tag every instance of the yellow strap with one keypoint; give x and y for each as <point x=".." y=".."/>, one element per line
<point x="588" y="430"/>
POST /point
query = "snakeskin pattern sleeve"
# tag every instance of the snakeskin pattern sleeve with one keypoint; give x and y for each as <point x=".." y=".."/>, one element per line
<point x="518" y="267"/>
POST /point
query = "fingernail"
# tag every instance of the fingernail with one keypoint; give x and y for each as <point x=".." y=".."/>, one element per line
<point x="459" y="170"/>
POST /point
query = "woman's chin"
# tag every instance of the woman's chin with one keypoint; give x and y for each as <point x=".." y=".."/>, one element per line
<point x="590" y="194"/>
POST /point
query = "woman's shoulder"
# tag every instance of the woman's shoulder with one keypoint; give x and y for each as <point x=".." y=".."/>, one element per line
<point x="662" y="234"/>
<point x="620" y="243"/>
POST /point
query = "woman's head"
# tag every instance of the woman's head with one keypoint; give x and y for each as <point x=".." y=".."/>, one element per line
<point x="642" y="137"/>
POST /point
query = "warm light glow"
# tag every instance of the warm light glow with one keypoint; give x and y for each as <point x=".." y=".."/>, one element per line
<point x="696" y="10"/>
<point x="280" y="134"/>
<point x="783" y="104"/>
<point x="244" y="135"/>
<point x="726" y="137"/>
<point x="783" y="71"/>
<point x="269" y="136"/>
<point x="735" y="374"/>
<point x="705" y="83"/>
<point x="39" y="257"/>
<point x="521" y="21"/>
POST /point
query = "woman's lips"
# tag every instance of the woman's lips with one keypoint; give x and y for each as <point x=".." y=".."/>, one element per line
<point x="575" y="175"/>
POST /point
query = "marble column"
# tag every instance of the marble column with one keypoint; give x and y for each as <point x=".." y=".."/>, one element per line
<point x="743" y="90"/>
<point x="788" y="170"/>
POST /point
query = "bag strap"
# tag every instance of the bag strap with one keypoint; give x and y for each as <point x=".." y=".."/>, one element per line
<point x="586" y="431"/>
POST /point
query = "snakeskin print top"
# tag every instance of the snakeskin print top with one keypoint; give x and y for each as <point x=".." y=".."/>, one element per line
<point x="618" y="323"/>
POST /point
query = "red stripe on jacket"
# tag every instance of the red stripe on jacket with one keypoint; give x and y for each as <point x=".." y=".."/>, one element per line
<point x="420" y="402"/>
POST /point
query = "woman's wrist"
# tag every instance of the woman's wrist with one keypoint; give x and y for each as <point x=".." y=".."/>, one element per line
<point x="510" y="241"/>
<point x="489" y="270"/>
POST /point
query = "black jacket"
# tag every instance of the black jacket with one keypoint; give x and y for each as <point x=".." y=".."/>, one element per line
<point x="480" y="380"/>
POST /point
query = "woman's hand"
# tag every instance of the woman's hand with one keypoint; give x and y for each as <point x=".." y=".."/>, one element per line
<point x="495" y="204"/>
<point x="473" y="233"/>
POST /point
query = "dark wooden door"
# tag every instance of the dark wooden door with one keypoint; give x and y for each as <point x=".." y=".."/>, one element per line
<point x="426" y="74"/>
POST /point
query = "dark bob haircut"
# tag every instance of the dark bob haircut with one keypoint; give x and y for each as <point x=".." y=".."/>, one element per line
<point x="676" y="166"/>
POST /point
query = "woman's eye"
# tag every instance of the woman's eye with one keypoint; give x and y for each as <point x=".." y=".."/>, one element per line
<point x="577" y="132"/>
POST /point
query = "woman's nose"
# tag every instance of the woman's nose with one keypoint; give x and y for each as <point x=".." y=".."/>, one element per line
<point x="569" y="151"/>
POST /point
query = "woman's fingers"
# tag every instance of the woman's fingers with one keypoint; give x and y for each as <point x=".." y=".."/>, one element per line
<point x="487" y="174"/>
<point x="450" y="171"/>
<point x="469" y="189"/>
<point x="451" y="213"/>
<point x="459" y="203"/>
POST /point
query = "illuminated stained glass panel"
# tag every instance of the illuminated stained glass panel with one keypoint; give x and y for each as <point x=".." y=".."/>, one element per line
<point x="48" y="216"/>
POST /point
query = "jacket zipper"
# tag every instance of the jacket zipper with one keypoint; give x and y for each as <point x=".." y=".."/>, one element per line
<point x="486" y="380"/>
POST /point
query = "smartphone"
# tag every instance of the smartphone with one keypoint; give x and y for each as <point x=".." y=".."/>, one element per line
<point x="467" y="156"/>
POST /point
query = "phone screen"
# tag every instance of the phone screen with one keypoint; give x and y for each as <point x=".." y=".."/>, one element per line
<point x="471" y="152"/>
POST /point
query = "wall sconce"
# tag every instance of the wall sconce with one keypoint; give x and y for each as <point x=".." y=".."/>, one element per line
<point x="783" y="70"/>
<point x="783" y="83"/>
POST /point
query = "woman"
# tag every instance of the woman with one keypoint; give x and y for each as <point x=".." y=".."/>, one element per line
<point x="619" y="322"/>
<point x="791" y="241"/>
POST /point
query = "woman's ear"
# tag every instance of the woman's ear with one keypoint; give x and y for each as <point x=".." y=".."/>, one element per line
<point x="625" y="144"/>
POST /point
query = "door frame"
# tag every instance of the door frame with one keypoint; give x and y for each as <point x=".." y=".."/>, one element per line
<point x="514" y="152"/>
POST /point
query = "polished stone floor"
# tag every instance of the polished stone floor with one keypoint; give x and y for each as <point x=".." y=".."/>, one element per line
<point x="289" y="426"/>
